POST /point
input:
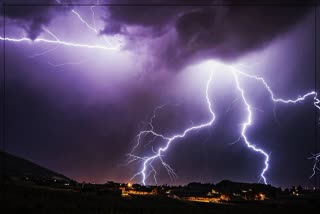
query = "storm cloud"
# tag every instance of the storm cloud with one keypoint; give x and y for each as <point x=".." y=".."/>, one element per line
<point x="205" y="29"/>
<point x="223" y="29"/>
<point x="33" y="15"/>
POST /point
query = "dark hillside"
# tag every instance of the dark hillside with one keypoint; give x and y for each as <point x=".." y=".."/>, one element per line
<point x="13" y="166"/>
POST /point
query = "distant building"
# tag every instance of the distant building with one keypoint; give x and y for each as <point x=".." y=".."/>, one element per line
<point x="130" y="191"/>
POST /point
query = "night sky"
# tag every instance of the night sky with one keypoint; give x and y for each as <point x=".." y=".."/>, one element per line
<point x="77" y="110"/>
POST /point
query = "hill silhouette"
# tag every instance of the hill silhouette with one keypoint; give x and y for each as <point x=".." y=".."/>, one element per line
<point x="13" y="166"/>
<point x="35" y="189"/>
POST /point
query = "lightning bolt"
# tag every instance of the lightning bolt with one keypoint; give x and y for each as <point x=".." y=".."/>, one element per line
<point x="280" y="100"/>
<point x="313" y="94"/>
<point x="49" y="50"/>
<point x="245" y="126"/>
<point x="316" y="103"/>
<point x="58" y="42"/>
<point x="147" y="161"/>
<point x="83" y="21"/>
<point x="148" y="169"/>
<point x="93" y="14"/>
<point x="316" y="160"/>
<point x="94" y="28"/>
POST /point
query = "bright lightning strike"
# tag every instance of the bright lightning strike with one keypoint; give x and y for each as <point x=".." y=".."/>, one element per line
<point x="148" y="169"/>
<point x="59" y="42"/>
<point x="286" y="101"/>
<point x="316" y="102"/>
<point x="245" y="126"/>
<point x="147" y="161"/>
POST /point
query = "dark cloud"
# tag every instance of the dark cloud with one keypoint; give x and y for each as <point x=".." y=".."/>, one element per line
<point x="155" y="15"/>
<point x="226" y="29"/>
<point x="153" y="19"/>
<point x="230" y="32"/>
<point x="33" y="15"/>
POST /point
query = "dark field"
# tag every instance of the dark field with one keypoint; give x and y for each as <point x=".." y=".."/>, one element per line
<point x="20" y="198"/>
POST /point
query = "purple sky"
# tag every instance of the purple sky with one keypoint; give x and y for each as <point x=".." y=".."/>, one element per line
<point x="77" y="110"/>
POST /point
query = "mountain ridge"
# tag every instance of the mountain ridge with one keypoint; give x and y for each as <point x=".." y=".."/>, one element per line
<point x="13" y="166"/>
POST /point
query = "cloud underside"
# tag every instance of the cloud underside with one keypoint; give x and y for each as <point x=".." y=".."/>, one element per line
<point x="223" y="30"/>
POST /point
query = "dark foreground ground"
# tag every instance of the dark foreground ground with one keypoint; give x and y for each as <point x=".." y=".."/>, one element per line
<point x="24" y="199"/>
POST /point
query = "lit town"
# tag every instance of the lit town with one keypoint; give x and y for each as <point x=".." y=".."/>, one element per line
<point x="45" y="188"/>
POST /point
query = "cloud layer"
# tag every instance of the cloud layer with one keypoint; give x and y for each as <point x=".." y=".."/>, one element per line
<point x="225" y="29"/>
<point x="33" y="15"/>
